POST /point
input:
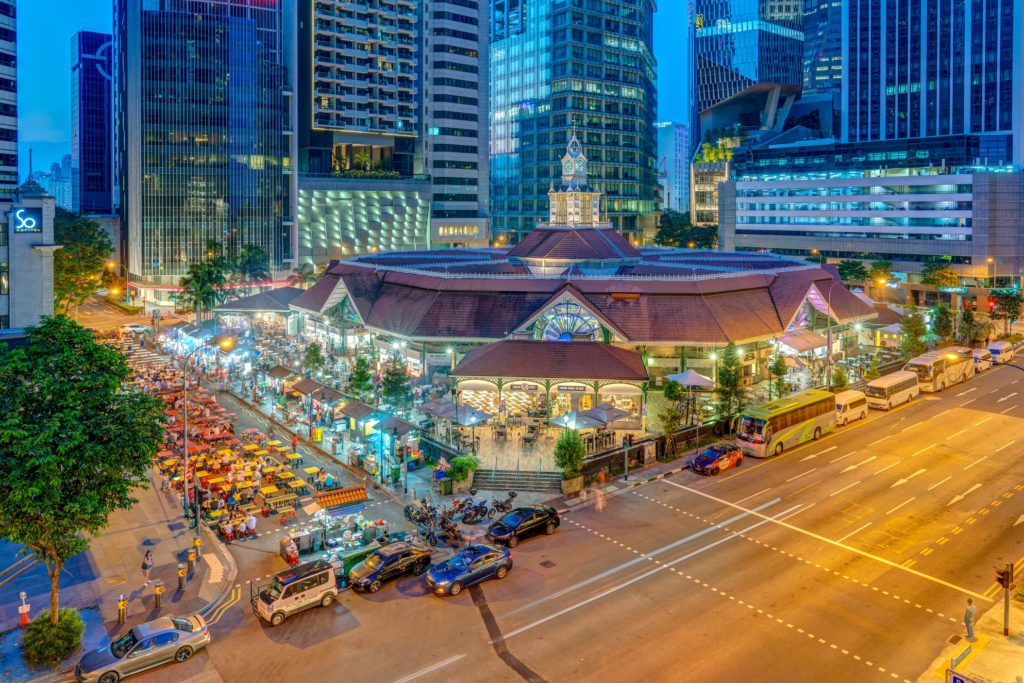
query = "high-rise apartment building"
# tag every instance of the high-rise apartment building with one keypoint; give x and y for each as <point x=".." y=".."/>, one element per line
<point x="8" y="100"/>
<point x="674" y="165"/>
<point x="202" y="133"/>
<point x="557" y="66"/>
<point x="91" y="102"/>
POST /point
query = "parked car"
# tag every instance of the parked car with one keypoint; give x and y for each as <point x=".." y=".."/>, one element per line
<point x="523" y="521"/>
<point x="982" y="360"/>
<point x="294" y="590"/>
<point x="850" y="405"/>
<point x="167" y="639"/>
<point x="134" y="328"/>
<point x="469" y="566"/>
<point x="716" y="458"/>
<point x="390" y="562"/>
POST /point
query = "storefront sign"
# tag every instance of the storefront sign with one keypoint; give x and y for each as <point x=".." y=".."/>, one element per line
<point x="522" y="387"/>
<point x="573" y="388"/>
<point x="438" y="358"/>
<point x="27" y="219"/>
<point x="953" y="290"/>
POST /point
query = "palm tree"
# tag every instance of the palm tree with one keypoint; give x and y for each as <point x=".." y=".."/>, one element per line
<point x="202" y="287"/>
<point x="362" y="160"/>
<point x="304" y="276"/>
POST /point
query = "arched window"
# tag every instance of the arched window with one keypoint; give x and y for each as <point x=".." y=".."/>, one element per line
<point x="568" y="321"/>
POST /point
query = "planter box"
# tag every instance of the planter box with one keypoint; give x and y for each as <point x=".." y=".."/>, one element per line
<point x="463" y="486"/>
<point x="571" y="486"/>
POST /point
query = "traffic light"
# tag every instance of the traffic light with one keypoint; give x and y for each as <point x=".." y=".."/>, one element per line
<point x="991" y="304"/>
<point x="1004" y="577"/>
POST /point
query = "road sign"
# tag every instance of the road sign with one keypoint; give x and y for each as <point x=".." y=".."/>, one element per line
<point x="954" y="677"/>
<point x="23" y="609"/>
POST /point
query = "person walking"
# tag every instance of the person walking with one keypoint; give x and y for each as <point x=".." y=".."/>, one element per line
<point x="969" y="620"/>
<point x="147" y="566"/>
<point x="295" y="442"/>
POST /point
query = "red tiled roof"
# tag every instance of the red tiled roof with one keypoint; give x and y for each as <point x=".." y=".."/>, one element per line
<point x="552" y="360"/>
<point x="275" y="300"/>
<point x="316" y="297"/>
<point x="576" y="244"/>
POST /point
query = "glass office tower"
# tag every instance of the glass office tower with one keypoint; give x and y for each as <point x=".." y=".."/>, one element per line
<point x="556" y="65"/>
<point x="202" y="126"/>
<point x="91" y="100"/>
<point x="8" y="101"/>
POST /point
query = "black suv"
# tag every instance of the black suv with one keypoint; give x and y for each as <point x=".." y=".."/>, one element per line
<point x="523" y="521"/>
<point x="390" y="562"/>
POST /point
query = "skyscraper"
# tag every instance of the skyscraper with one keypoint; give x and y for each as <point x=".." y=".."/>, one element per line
<point x="556" y="66"/>
<point x="674" y="165"/>
<point x="91" y="102"/>
<point x="823" y="46"/>
<point x="8" y="100"/>
<point x="201" y="129"/>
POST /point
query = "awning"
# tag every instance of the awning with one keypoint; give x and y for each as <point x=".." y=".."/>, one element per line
<point x="316" y="390"/>
<point x="794" y="363"/>
<point x="357" y="410"/>
<point x="803" y="340"/>
<point x="280" y="372"/>
<point x="391" y="424"/>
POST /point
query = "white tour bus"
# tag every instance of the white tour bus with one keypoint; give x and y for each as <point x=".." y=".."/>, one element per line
<point x="943" y="368"/>
<point x="1002" y="352"/>
<point x="892" y="390"/>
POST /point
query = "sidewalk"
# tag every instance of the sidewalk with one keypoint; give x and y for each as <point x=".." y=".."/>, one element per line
<point x="993" y="658"/>
<point x="111" y="567"/>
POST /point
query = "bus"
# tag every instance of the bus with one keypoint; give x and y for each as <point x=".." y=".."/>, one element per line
<point x="943" y="368"/>
<point x="772" y="427"/>
<point x="892" y="390"/>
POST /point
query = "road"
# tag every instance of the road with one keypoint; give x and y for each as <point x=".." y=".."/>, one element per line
<point x="847" y="559"/>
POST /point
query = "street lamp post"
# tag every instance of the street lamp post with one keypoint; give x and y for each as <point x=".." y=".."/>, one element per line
<point x="116" y="268"/>
<point x="828" y="340"/>
<point x="225" y="344"/>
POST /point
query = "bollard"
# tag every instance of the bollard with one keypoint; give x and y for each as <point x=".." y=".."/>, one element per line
<point x="158" y="590"/>
<point x="122" y="608"/>
<point x="182" y="572"/>
<point x="196" y="543"/>
<point x="191" y="560"/>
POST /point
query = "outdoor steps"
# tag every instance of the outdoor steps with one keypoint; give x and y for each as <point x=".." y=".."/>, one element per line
<point x="510" y="480"/>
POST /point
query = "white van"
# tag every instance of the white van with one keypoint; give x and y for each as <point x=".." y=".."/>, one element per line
<point x="850" y="406"/>
<point x="890" y="391"/>
<point x="1002" y="352"/>
<point x="294" y="590"/>
<point x="982" y="360"/>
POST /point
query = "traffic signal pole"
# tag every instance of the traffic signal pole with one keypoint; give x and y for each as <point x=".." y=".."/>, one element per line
<point x="1006" y="598"/>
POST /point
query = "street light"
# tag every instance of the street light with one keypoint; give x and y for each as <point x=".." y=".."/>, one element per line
<point x="828" y="340"/>
<point x="225" y="344"/>
<point x="115" y="266"/>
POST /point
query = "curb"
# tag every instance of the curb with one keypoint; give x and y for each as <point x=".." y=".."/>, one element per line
<point x="230" y="573"/>
<point x="630" y="485"/>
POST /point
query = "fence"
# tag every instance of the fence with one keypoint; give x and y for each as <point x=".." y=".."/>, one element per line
<point x="613" y="461"/>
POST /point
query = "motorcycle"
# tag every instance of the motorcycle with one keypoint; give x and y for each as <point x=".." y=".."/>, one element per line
<point x="501" y="506"/>
<point x="443" y="530"/>
<point x="475" y="513"/>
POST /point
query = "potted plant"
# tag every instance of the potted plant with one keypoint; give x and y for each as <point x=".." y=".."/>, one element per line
<point x="461" y="472"/>
<point x="569" y="452"/>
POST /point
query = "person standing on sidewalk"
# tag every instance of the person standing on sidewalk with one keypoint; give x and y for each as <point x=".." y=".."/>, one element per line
<point x="295" y="442"/>
<point x="969" y="620"/>
<point x="147" y="566"/>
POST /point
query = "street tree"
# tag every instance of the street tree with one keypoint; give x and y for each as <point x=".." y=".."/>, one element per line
<point x="569" y="453"/>
<point x="873" y="372"/>
<point x="840" y="379"/>
<point x="676" y="230"/>
<point x="942" y="322"/>
<point x="1007" y="308"/>
<point x="777" y="376"/>
<point x="79" y="265"/>
<point x="395" y="385"/>
<point x="303" y="277"/>
<point x="314" y="360"/>
<point x="76" y="443"/>
<point x="913" y="329"/>
<point x="880" y="270"/>
<point x="730" y="394"/>
<point x="673" y="414"/>
<point x="939" y="274"/>
<point x="852" y="271"/>
<point x="251" y="267"/>
<point x="972" y="329"/>
<point x="360" y="379"/>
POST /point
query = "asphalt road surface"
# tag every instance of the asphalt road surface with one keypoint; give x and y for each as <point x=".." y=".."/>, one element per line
<point x="847" y="559"/>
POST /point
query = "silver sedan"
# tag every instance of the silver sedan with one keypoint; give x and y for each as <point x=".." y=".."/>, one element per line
<point x="168" y="639"/>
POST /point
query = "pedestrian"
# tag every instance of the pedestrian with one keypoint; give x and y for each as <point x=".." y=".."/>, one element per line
<point x="147" y="566"/>
<point x="969" y="620"/>
<point x="295" y="442"/>
<point x="251" y="523"/>
<point x="329" y="481"/>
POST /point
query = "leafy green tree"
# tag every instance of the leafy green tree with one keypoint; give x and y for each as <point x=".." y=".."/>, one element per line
<point x="873" y="372"/>
<point x="1007" y="309"/>
<point x="76" y="443"/>
<point x="252" y="264"/>
<point x="971" y="329"/>
<point x="675" y="230"/>
<point x="840" y="378"/>
<point x="939" y="274"/>
<point x="852" y="271"/>
<point x="362" y="160"/>
<point x="777" y="376"/>
<point x="395" y="386"/>
<point x="569" y="453"/>
<point x="78" y="266"/>
<point x="730" y="394"/>
<point x="360" y="380"/>
<point x="304" y="276"/>
<point x="671" y="418"/>
<point x="203" y="288"/>
<point x="880" y="270"/>
<point x="913" y="329"/>
<point x="712" y="154"/>
<point x="942" y="322"/>
<point x="314" y="361"/>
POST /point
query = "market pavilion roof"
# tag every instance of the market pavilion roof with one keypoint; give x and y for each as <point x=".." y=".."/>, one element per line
<point x="536" y="359"/>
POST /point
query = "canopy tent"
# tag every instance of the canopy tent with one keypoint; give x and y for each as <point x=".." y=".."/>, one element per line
<point x="316" y="391"/>
<point x="574" y="420"/>
<point x="803" y="340"/>
<point x="392" y="424"/>
<point x="690" y="378"/>
<point x="605" y="413"/>
<point x="280" y="372"/>
<point x="357" y="410"/>
<point x="466" y="416"/>
<point x="439" y="407"/>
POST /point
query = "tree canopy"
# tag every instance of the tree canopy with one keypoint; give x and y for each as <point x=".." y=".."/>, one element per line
<point x="1007" y="308"/>
<point x="730" y="394"/>
<point x="395" y="386"/>
<point x="880" y="270"/>
<point x="939" y="274"/>
<point x="913" y="328"/>
<point x="852" y="271"/>
<point x="79" y="266"/>
<point x="76" y="443"/>
<point x="314" y="360"/>
<point x="675" y="230"/>
<point x="360" y="380"/>
<point x="569" y="453"/>
<point x="942" y="322"/>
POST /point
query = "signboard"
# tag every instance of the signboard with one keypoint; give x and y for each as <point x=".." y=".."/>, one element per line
<point x="954" y="677"/>
<point x="522" y="387"/>
<point x="438" y="358"/>
<point x="953" y="290"/>
<point x="573" y="388"/>
<point x="26" y="219"/>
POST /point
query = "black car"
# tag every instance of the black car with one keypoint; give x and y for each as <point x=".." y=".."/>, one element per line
<point x="523" y="521"/>
<point x="390" y="562"/>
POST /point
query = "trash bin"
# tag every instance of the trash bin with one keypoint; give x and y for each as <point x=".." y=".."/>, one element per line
<point x="318" y="434"/>
<point x="396" y="473"/>
<point x="446" y="486"/>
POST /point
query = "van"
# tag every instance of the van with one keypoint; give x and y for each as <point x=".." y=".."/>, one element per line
<point x="850" y="405"/>
<point x="885" y="393"/>
<point x="982" y="360"/>
<point x="1002" y="352"/>
<point x="294" y="590"/>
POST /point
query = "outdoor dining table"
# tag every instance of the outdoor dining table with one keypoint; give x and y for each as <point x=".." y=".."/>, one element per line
<point x="202" y="474"/>
<point x="259" y="437"/>
<point x="164" y="454"/>
<point x="293" y="459"/>
<point x="269" y="470"/>
<point x="249" y="447"/>
<point x="251" y="430"/>
<point x="298" y="486"/>
<point x="260" y="454"/>
<point x="285" y="476"/>
<point x="170" y="462"/>
<point x="217" y="514"/>
<point x="216" y="480"/>
<point x="274" y="442"/>
<point x="268" y="490"/>
<point x="224" y="452"/>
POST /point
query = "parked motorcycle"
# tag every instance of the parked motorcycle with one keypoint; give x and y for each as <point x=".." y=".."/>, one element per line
<point x="477" y="512"/>
<point x="501" y="506"/>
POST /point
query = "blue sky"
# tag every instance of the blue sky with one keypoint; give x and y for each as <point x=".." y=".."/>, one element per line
<point x="44" y="69"/>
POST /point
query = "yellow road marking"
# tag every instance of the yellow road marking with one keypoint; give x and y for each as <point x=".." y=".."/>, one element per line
<point x="970" y="520"/>
<point x="984" y="511"/>
<point x="1008" y="495"/>
<point x="928" y="551"/>
<point x="996" y="503"/>
<point x="942" y="541"/>
<point x="956" y="530"/>
<point x="235" y="596"/>
<point x="909" y="563"/>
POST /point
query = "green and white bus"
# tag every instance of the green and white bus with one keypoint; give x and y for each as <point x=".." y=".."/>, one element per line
<point x="772" y="427"/>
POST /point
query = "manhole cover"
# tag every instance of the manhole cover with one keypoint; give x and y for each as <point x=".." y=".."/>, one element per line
<point x="953" y="640"/>
<point x="547" y="564"/>
<point x="177" y="526"/>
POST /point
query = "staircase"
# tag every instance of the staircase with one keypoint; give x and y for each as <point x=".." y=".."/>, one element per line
<point x="510" y="480"/>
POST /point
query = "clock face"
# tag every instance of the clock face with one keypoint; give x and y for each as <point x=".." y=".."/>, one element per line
<point x="566" y="167"/>
<point x="581" y="166"/>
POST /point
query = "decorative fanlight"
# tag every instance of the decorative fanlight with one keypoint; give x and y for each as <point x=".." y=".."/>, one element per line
<point x="568" y="321"/>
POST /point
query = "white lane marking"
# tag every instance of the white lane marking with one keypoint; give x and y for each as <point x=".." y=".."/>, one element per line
<point x="935" y="486"/>
<point x="423" y="672"/>
<point x="844" y="488"/>
<point x="641" y="577"/>
<point x="923" y="450"/>
<point x="960" y="496"/>
<point x="900" y="482"/>
<point x="892" y="464"/>
<point x="753" y="495"/>
<point x="1004" y="398"/>
<point x="855" y="531"/>
<point x="844" y="456"/>
<point x="1004" y="412"/>
<point x="957" y="433"/>
<point x="900" y="505"/>
<point x="976" y="462"/>
<point x="823" y="539"/>
<point x="800" y="475"/>
<point x="942" y="413"/>
<point x="879" y="441"/>
<point x="990" y="417"/>
<point x="803" y="509"/>
<point x="964" y="393"/>
<point x="967" y="402"/>
<point x="216" y="573"/>
<point x="862" y="462"/>
<point x="1006" y="445"/>
<point x="815" y="455"/>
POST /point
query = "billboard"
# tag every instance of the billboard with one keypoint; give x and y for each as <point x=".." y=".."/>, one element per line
<point x="26" y="219"/>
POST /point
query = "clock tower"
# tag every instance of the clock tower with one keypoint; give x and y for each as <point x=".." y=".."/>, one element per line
<point x="575" y="202"/>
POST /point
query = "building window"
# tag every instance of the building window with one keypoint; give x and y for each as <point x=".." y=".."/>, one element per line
<point x="5" y="279"/>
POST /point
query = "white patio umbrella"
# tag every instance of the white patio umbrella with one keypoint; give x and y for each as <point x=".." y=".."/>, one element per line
<point x="605" y="413"/>
<point x="574" y="420"/>
<point x="690" y="378"/>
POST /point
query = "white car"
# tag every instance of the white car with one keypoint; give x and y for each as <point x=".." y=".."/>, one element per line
<point x="134" y="328"/>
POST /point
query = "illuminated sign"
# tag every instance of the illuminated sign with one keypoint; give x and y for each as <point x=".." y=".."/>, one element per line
<point x="27" y="219"/>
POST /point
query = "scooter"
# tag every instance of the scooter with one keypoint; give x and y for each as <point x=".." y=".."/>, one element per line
<point x="502" y="506"/>
<point x="475" y="512"/>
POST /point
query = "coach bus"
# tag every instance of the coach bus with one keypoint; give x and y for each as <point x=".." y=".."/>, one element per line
<point x="943" y="368"/>
<point x="892" y="390"/>
<point x="772" y="427"/>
